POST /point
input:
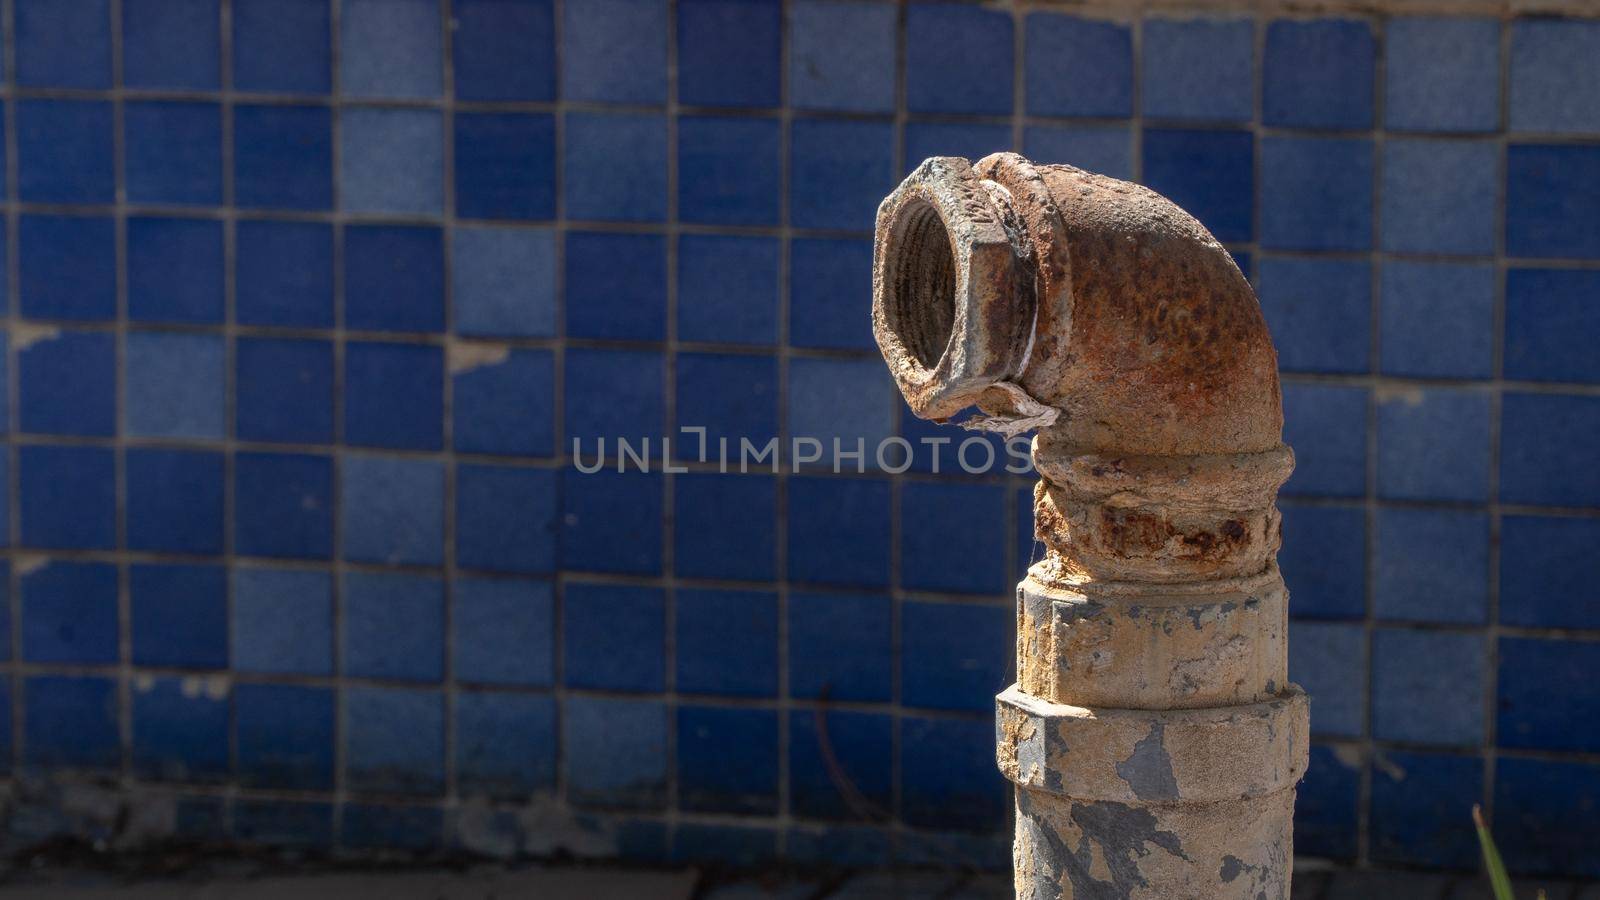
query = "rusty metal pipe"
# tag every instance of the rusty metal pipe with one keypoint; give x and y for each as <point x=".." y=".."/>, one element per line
<point x="1152" y="734"/>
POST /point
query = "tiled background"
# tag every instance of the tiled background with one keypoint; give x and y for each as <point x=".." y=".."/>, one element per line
<point x="306" y="303"/>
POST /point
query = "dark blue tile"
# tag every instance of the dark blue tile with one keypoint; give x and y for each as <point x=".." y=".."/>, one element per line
<point x="1325" y="817"/>
<point x="178" y="616"/>
<point x="171" y="44"/>
<point x="393" y="626"/>
<point x="505" y="165"/>
<point x="954" y="655"/>
<point x="1442" y="74"/>
<point x="614" y="637"/>
<point x="390" y="827"/>
<point x="1544" y="815"/>
<point x="1547" y="450"/>
<point x="1436" y="320"/>
<point x="394" y="740"/>
<point x="391" y="161"/>
<point x="845" y="400"/>
<point x="1319" y="310"/>
<point x="68" y="497"/>
<point x="1078" y="66"/>
<point x="1548" y="208"/>
<point x="1318" y="73"/>
<point x="173" y="153"/>
<point x="1316" y="193"/>
<point x="1411" y="703"/>
<point x="1534" y="672"/>
<point x="283" y="823"/>
<point x="67" y="267"/>
<point x="727" y="642"/>
<point x="1327" y="427"/>
<point x="281" y="46"/>
<point x="282" y="621"/>
<point x="394" y="395"/>
<point x="505" y="744"/>
<point x="504" y="50"/>
<point x="504" y="405"/>
<point x="839" y="169"/>
<point x="1419" y="801"/>
<point x="723" y="526"/>
<point x="824" y="303"/>
<point x="175" y="271"/>
<point x="1439" y="196"/>
<point x="1554" y="87"/>
<point x="958" y="59"/>
<point x="70" y="722"/>
<point x="393" y="278"/>
<point x="970" y="140"/>
<point x="729" y="170"/>
<point x="390" y="48"/>
<point x="611" y="522"/>
<point x="64" y="151"/>
<point x="1549" y="314"/>
<point x="283" y="390"/>
<point x="283" y="505"/>
<point x="616" y="286"/>
<point x="63" y="43"/>
<point x="1211" y="174"/>
<point x="1330" y="662"/>
<point x="727" y="289"/>
<point x="616" y="751"/>
<point x="1431" y="565"/>
<point x="734" y="398"/>
<point x="174" y="500"/>
<point x="842" y="56"/>
<point x="69" y="613"/>
<point x="391" y="510"/>
<point x="839" y="530"/>
<point x="283" y="157"/>
<point x="728" y="760"/>
<point x="1202" y="69"/>
<point x="946" y="778"/>
<point x="179" y="733"/>
<point x="1545" y="564"/>
<point x="1107" y="149"/>
<point x="1433" y="444"/>
<point x="597" y="34"/>
<point x="67" y="384"/>
<point x="615" y="167"/>
<point x="613" y="395"/>
<point x="506" y="518"/>
<point x="729" y="52"/>
<point x="284" y="736"/>
<point x="725" y="845"/>
<point x="503" y="282"/>
<point x="1322" y="545"/>
<point x="932" y="515"/>
<point x="504" y="631"/>
<point x="824" y="745"/>
<point x="283" y="274"/>
<point x="841" y="647"/>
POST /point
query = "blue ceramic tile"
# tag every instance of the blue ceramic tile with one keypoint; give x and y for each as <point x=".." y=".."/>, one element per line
<point x="824" y="300"/>
<point x="67" y="267"/>
<point x="391" y="510"/>
<point x="746" y="848"/>
<point x="178" y="616"/>
<point x="174" y="500"/>
<point x="68" y="497"/>
<point x="616" y="286"/>
<point x="727" y="642"/>
<point x="504" y="405"/>
<point x="1549" y="313"/>
<point x="283" y="823"/>
<point x="1544" y="816"/>
<point x="1211" y="174"/>
<point x="70" y="722"/>
<point x="614" y="637"/>
<point x="394" y="395"/>
<point x="595" y="35"/>
<point x="171" y="44"/>
<point x="825" y="743"/>
<point x="727" y="288"/>
<point x="393" y="626"/>
<point x="839" y="846"/>
<point x="728" y="760"/>
<point x="970" y="140"/>
<point x="179" y="734"/>
<point x="611" y="522"/>
<point x="63" y="43"/>
<point x="1436" y="320"/>
<point x="1316" y="193"/>
<point x="503" y="282"/>
<point x="844" y="400"/>
<point x="842" y="56"/>
<point x="1545" y="563"/>
<point x="733" y="398"/>
<point x="281" y="46"/>
<point x="1532" y="672"/>
<point x="1106" y="149"/>
<point x="391" y="160"/>
<point x="1325" y="816"/>
<point x="954" y="655"/>
<point x="1318" y="73"/>
<point x="616" y="751"/>
<point x="504" y="631"/>
<point x="1327" y="427"/>
<point x="1433" y="444"/>
<point x="1554" y="87"/>
<point x="1411" y="702"/>
<point x="1322" y="545"/>
<point x="283" y="390"/>
<point x="506" y="518"/>
<point x="841" y="646"/>
<point x="504" y="51"/>
<point x="175" y="270"/>
<point x="1431" y="565"/>
<point x="839" y="530"/>
<point x="505" y="744"/>
<point x="1548" y="213"/>
<point x="615" y="167"/>
<point x="390" y="48"/>
<point x="505" y="166"/>
<point x="1442" y="74"/>
<point x="67" y="384"/>
<point x="613" y="395"/>
<point x="1319" y="311"/>
<point x="173" y="153"/>
<point x="1078" y="67"/>
<point x="729" y="170"/>
<point x="1330" y="662"/>
<point x="282" y="621"/>
<point x="173" y="385"/>
<point x="958" y="59"/>
<point x="284" y="736"/>
<point x="283" y="274"/>
<point x="390" y="827"/>
<point x="283" y="157"/>
<point x="64" y="151"/>
<point x="932" y="516"/>
<point x="1418" y="803"/>
<point x="283" y="505"/>
<point x="393" y="278"/>
<point x="1202" y="69"/>
<point x="944" y="777"/>
<point x="838" y="171"/>
<point x="394" y="740"/>
<point x="69" y="613"/>
<point x="729" y="52"/>
<point x="1439" y="196"/>
<point x="723" y="526"/>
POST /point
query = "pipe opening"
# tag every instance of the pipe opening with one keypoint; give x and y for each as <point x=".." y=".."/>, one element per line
<point x="921" y="306"/>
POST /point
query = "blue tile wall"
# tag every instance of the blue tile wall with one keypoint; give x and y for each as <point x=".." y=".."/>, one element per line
<point x="308" y="301"/>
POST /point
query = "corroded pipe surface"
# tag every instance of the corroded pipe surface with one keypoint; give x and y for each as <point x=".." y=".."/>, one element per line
<point x="1152" y="734"/>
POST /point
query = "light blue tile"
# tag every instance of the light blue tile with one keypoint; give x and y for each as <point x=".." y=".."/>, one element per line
<point x="392" y="161"/>
<point x="1442" y="74"/>
<point x="1330" y="662"/>
<point x="1439" y="196"/>
<point x="840" y="399"/>
<point x="392" y="510"/>
<point x="1199" y="69"/>
<point x="174" y="385"/>
<point x="841" y="56"/>
<point x="1555" y="84"/>
<point x="504" y="282"/>
<point x="1106" y="149"/>
<point x="1436" y="320"/>
<point x="390" y="48"/>
<point x="282" y="621"/>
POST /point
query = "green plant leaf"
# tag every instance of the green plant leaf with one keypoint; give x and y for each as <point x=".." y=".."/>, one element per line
<point x="1499" y="881"/>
